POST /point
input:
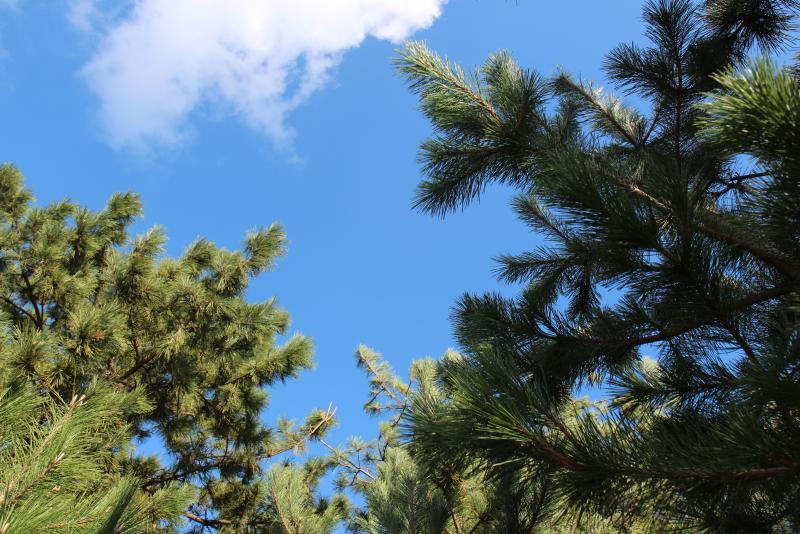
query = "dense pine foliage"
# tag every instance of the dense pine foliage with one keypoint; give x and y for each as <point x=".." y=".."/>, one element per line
<point x="645" y="379"/>
<point x="55" y="452"/>
<point x="668" y="282"/>
<point x="403" y="495"/>
<point x="85" y="304"/>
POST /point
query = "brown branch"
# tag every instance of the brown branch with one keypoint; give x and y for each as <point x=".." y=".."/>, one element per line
<point x="454" y="517"/>
<point x="732" y="329"/>
<point x="755" y="298"/>
<point x="678" y="102"/>
<point x="556" y="422"/>
<point x="656" y="116"/>
<point x="741" y="341"/>
<point x="565" y="461"/>
<point x="711" y="225"/>
<point x="32" y="298"/>
<point x="18" y="307"/>
<point x="742" y="177"/>
<point x="767" y="472"/>
<point x="281" y="518"/>
<point x="208" y="522"/>
<point x="757" y="473"/>
<point x="175" y="473"/>
<point x="219" y="460"/>
<point x="52" y="465"/>
<point x="481" y="520"/>
<point x="350" y="463"/>
<point x="329" y="413"/>
<point x="381" y="382"/>
<point x="399" y="417"/>
<point x="137" y="367"/>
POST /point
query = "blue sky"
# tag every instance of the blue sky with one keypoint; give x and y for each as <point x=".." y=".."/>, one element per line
<point x="334" y="161"/>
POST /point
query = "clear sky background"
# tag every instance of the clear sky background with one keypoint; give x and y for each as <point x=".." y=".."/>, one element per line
<point x="222" y="130"/>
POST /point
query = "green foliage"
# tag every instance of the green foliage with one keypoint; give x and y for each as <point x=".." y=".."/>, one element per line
<point x="86" y="304"/>
<point x="291" y="506"/>
<point x="54" y="459"/>
<point x="484" y="122"/>
<point x="450" y="493"/>
<point x="690" y="213"/>
<point x="400" y="499"/>
<point x="755" y="112"/>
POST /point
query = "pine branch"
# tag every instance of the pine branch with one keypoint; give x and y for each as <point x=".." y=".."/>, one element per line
<point x="279" y="511"/>
<point x="52" y="465"/>
<point x="710" y="224"/>
<point x="381" y="382"/>
<point x="605" y="110"/>
<point x="750" y="300"/>
<point x="326" y="418"/>
<point x="427" y="69"/>
<point x="32" y="299"/>
<point x="215" y="523"/>
<point x="77" y="522"/>
<point x="347" y="463"/>
<point x="19" y="308"/>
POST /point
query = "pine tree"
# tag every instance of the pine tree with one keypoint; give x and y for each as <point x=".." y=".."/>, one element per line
<point x="86" y="304"/>
<point x="293" y="505"/>
<point x="54" y="458"/>
<point x="397" y="496"/>
<point x="401" y="495"/>
<point x="689" y="211"/>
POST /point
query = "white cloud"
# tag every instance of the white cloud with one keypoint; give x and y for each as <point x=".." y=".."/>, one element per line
<point x="83" y="14"/>
<point x="255" y="59"/>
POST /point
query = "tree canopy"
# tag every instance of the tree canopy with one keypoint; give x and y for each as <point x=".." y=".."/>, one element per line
<point x="645" y="378"/>
<point x="86" y="303"/>
<point x="671" y="232"/>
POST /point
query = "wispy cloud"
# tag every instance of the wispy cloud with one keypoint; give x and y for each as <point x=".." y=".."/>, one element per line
<point x="253" y="59"/>
<point x="84" y="15"/>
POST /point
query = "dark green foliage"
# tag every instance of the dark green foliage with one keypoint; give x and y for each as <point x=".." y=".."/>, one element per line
<point x="689" y="211"/>
<point x="445" y="494"/>
<point x="87" y="304"/>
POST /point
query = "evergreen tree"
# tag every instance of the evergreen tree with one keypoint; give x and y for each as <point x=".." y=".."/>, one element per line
<point x="398" y="496"/>
<point x="450" y="497"/>
<point x="85" y="303"/>
<point x="293" y="506"/>
<point x="54" y="459"/>
<point x="690" y="211"/>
